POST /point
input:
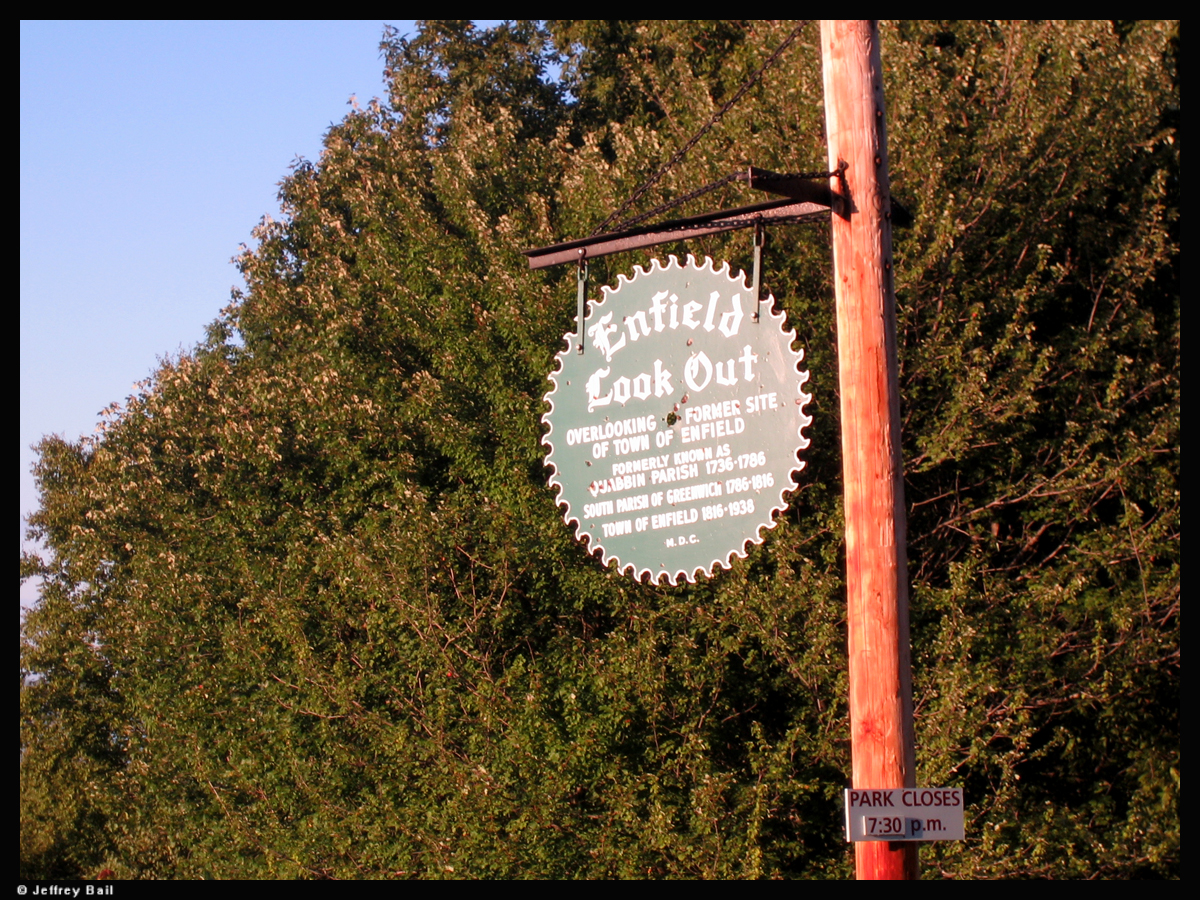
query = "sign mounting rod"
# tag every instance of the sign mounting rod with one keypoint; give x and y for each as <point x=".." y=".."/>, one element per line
<point x="804" y="199"/>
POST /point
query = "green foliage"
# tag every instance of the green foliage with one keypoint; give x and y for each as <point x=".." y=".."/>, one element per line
<point x="309" y="609"/>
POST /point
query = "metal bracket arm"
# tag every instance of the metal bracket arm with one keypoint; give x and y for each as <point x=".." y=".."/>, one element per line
<point x="676" y="230"/>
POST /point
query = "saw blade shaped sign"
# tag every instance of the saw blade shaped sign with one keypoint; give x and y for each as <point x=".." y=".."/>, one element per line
<point x="674" y="437"/>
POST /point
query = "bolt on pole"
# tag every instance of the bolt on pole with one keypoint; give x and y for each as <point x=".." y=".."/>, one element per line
<point x="873" y="475"/>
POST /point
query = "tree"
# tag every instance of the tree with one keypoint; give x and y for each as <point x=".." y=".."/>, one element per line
<point x="312" y="612"/>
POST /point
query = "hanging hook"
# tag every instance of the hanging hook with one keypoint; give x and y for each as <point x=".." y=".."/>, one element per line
<point x="581" y="277"/>
<point x="760" y="238"/>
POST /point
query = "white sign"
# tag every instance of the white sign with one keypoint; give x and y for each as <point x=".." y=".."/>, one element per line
<point x="904" y="814"/>
<point x="674" y="436"/>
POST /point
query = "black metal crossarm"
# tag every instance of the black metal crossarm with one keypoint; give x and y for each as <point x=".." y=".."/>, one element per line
<point x="805" y="199"/>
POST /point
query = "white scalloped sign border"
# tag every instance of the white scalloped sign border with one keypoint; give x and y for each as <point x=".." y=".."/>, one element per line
<point x="644" y="384"/>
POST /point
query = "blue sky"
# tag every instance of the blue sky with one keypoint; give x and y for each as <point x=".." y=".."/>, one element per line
<point x="149" y="150"/>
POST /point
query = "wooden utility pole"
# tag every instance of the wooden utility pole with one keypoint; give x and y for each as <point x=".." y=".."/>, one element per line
<point x="876" y="557"/>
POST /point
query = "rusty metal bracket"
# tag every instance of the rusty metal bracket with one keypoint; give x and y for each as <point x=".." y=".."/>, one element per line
<point x="810" y="188"/>
<point x="805" y="199"/>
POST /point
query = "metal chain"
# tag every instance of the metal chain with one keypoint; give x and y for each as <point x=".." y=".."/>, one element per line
<point x="775" y="220"/>
<point x="678" y="201"/>
<point x="682" y="151"/>
<point x="708" y="188"/>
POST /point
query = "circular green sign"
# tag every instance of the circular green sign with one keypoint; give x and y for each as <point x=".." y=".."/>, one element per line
<point x="675" y="434"/>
